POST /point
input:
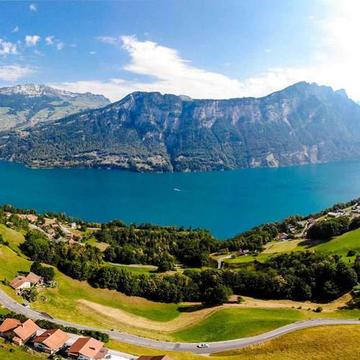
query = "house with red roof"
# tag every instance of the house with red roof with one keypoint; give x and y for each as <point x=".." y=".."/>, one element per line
<point x="87" y="348"/>
<point x="51" y="341"/>
<point x="26" y="282"/>
<point x="19" y="333"/>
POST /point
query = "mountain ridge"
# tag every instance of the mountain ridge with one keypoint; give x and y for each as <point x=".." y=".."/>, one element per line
<point x="303" y="123"/>
<point x="29" y="104"/>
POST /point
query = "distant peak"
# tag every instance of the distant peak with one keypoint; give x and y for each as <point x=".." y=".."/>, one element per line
<point x="37" y="90"/>
<point x="342" y="92"/>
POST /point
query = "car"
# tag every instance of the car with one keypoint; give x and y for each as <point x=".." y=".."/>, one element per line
<point x="203" y="346"/>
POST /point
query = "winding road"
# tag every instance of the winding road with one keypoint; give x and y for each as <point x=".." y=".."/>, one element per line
<point x="219" y="346"/>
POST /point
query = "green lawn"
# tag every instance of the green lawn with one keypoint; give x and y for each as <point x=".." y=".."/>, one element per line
<point x="340" y="244"/>
<point x="12" y="352"/>
<point x="236" y="323"/>
<point x="275" y="247"/>
<point x="14" y="238"/>
<point x="10" y="264"/>
<point x="246" y="259"/>
<point x="63" y="302"/>
<point x="145" y="270"/>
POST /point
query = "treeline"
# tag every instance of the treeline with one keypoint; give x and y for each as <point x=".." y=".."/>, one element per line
<point x="297" y="276"/>
<point x="155" y="245"/>
<point x="76" y="260"/>
<point x="256" y="238"/>
<point x="326" y="229"/>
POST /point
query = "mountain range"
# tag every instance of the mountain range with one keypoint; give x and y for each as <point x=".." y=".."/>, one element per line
<point x="27" y="105"/>
<point x="303" y="123"/>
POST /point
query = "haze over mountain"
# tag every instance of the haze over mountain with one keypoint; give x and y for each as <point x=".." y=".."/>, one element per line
<point x="304" y="123"/>
<point x="27" y="105"/>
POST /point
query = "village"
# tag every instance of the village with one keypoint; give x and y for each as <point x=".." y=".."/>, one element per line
<point x="54" y="341"/>
<point x="58" y="342"/>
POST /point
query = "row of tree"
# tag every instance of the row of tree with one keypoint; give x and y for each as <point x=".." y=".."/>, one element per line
<point x="297" y="276"/>
<point x="327" y="228"/>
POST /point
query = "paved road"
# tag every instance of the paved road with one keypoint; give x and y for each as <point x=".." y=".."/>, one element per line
<point x="172" y="346"/>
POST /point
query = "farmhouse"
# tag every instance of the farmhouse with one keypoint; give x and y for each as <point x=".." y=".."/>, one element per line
<point x="51" y="341"/>
<point x="25" y="332"/>
<point x="19" y="333"/>
<point x="87" y="348"/>
<point x="7" y="326"/>
<point x="26" y="282"/>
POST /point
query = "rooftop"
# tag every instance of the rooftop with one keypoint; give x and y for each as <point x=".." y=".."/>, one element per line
<point x="53" y="339"/>
<point x="9" y="325"/>
<point x="88" y="347"/>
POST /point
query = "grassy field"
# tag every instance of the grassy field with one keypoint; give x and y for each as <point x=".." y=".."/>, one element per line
<point x="10" y="264"/>
<point x="236" y="323"/>
<point x="14" y="238"/>
<point x="338" y="245"/>
<point x="146" y="269"/>
<point x="322" y="343"/>
<point x="341" y="244"/>
<point x="63" y="302"/>
<point x="276" y="247"/>
<point x="11" y="352"/>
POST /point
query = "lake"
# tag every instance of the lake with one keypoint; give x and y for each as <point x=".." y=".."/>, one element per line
<point x="225" y="202"/>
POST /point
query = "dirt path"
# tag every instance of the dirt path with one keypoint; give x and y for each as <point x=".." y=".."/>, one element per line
<point x="185" y="320"/>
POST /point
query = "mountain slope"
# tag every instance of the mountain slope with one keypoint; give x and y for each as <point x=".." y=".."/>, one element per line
<point x="26" y="105"/>
<point x="304" y="123"/>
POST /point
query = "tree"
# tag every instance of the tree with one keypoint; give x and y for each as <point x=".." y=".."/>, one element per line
<point x="45" y="272"/>
<point x="325" y="229"/>
<point x="29" y="294"/>
<point x="216" y="295"/>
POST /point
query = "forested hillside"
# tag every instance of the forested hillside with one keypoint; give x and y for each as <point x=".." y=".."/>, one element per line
<point x="304" y="123"/>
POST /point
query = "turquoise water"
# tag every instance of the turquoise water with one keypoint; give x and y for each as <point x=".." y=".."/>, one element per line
<point x="224" y="202"/>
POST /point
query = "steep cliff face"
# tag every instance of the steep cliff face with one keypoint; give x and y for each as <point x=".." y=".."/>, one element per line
<point x="304" y="123"/>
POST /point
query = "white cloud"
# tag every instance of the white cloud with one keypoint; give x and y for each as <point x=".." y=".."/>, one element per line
<point x="109" y="40"/>
<point x="60" y="45"/>
<point x="52" y="41"/>
<point x="15" y="29"/>
<point x="92" y="52"/>
<point x="169" y="73"/>
<point x="14" y="72"/>
<point x="335" y="62"/>
<point x="7" y="48"/>
<point x="49" y="40"/>
<point x="33" y="7"/>
<point x="32" y="40"/>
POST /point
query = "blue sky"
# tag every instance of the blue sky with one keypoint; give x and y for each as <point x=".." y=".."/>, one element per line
<point x="202" y="48"/>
